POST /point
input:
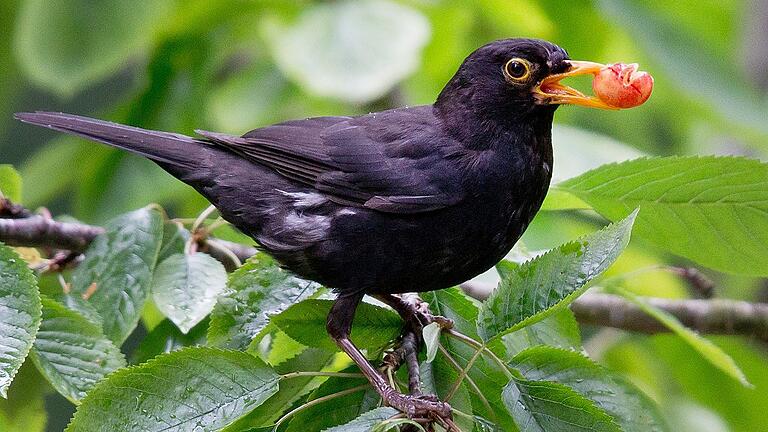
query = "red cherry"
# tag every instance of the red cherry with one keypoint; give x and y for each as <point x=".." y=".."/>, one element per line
<point x="622" y="85"/>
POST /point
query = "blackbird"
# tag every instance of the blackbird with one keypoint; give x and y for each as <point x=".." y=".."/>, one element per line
<point x="411" y="199"/>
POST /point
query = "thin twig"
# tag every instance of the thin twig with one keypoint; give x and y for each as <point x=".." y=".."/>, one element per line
<point x="219" y="251"/>
<point x="39" y="231"/>
<point x="452" y="361"/>
<point x="318" y="401"/>
<point x="12" y="211"/>
<point x="463" y="375"/>
<point x="202" y="217"/>
<point x="321" y="374"/>
<point x="477" y="345"/>
<point x="219" y="222"/>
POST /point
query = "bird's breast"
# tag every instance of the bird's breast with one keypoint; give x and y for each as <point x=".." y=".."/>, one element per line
<point x="512" y="194"/>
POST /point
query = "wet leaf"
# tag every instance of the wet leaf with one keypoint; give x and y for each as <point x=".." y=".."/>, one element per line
<point x="20" y="311"/>
<point x="544" y="285"/>
<point x="713" y="210"/>
<point x="71" y="352"/>
<point x="116" y="274"/>
<point x="191" y="389"/>
<point x="185" y="287"/>
<point x="259" y="288"/>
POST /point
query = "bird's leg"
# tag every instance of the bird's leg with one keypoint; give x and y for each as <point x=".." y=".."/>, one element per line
<point x="415" y="312"/>
<point x="339" y="326"/>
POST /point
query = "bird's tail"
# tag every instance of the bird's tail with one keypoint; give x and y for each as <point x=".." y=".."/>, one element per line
<point x="170" y="150"/>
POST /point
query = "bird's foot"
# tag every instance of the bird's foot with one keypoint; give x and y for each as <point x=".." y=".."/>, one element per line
<point x="422" y="406"/>
<point x="416" y="314"/>
<point x="415" y="311"/>
<point x="405" y="352"/>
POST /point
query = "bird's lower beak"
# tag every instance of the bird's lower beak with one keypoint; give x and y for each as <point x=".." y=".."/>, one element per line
<point x="549" y="91"/>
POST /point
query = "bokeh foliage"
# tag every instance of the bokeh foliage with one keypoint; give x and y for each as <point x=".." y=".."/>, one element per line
<point x="233" y="65"/>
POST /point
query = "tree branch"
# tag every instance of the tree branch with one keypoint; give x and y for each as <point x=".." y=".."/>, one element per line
<point x="714" y="316"/>
<point x="40" y="231"/>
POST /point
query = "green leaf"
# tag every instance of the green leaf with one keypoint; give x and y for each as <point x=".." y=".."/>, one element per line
<point x="713" y="210"/>
<point x="165" y="338"/>
<point x="79" y="305"/>
<point x="10" y="183"/>
<point x="373" y="327"/>
<point x="507" y="268"/>
<point x="546" y="284"/>
<point x="366" y="422"/>
<point x="116" y="274"/>
<point x="347" y="49"/>
<point x="259" y="289"/>
<point x="20" y="311"/>
<point x="191" y="389"/>
<point x="71" y="352"/>
<point x="66" y="46"/>
<point x="628" y="406"/>
<point x="175" y="238"/>
<point x="185" y="287"/>
<point x="540" y="406"/>
<point x="360" y="398"/>
<point x="280" y="347"/>
<point x="711" y="352"/>
<point x="559" y="200"/>
<point x="676" y="374"/>
<point x="291" y="389"/>
<point x="557" y="330"/>
<point x="483" y="425"/>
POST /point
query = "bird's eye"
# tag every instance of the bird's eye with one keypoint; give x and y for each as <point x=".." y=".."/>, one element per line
<point x="517" y="70"/>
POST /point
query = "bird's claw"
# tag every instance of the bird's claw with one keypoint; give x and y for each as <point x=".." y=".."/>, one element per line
<point x="443" y="322"/>
<point x="418" y="309"/>
<point x="419" y="406"/>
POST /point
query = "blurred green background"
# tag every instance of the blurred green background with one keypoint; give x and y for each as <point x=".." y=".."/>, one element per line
<point x="234" y="65"/>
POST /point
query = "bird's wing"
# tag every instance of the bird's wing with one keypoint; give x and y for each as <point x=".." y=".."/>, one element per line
<point x="392" y="164"/>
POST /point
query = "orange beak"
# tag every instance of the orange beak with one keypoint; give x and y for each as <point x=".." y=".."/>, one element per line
<point x="549" y="91"/>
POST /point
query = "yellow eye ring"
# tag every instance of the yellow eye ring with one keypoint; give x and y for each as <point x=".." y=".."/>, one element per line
<point x="517" y="70"/>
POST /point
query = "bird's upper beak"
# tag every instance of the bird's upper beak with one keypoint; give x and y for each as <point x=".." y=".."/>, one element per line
<point x="549" y="91"/>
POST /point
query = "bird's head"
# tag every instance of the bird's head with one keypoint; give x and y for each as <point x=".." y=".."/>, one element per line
<point x="514" y="78"/>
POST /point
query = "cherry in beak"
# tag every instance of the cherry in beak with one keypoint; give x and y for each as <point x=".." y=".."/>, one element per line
<point x="550" y="91"/>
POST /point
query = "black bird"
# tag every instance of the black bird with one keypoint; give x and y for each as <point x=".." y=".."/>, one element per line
<point x="407" y="200"/>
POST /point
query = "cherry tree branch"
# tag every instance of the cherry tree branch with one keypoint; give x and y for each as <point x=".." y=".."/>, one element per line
<point x="711" y="316"/>
<point x="40" y="231"/>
